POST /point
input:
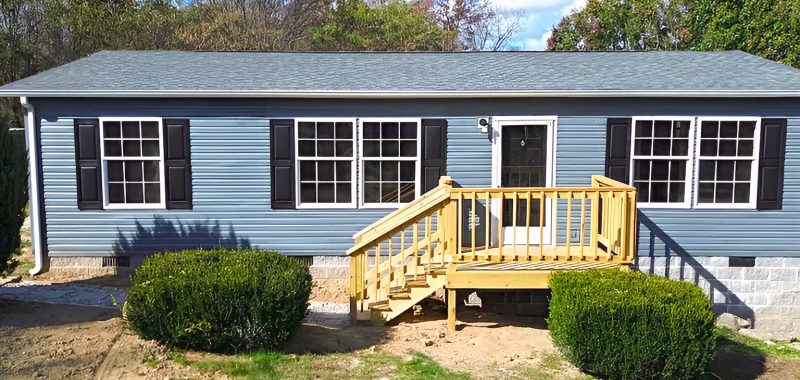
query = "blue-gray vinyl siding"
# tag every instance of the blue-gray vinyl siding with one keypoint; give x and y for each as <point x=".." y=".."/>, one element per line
<point x="231" y="176"/>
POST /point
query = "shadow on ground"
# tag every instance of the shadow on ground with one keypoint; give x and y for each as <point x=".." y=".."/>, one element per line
<point x="22" y="314"/>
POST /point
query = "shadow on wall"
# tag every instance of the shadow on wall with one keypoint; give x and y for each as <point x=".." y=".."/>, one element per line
<point x="679" y="264"/>
<point x="168" y="235"/>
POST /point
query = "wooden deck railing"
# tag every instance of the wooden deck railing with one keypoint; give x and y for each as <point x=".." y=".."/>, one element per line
<point x="451" y="225"/>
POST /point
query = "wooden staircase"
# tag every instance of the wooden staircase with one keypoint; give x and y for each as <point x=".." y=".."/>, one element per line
<point x="423" y="247"/>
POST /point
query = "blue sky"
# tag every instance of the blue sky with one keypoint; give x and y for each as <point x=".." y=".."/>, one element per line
<point x="539" y="18"/>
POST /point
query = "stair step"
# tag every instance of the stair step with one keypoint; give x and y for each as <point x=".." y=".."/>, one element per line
<point x="417" y="283"/>
<point x="400" y="296"/>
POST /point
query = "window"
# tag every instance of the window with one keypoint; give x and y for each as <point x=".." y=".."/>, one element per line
<point x="662" y="160"/>
<point x="132" y="158"/>
<point x="326" y="162"/>
<point x="390" y="159"/>
<point x="727" y="162"/>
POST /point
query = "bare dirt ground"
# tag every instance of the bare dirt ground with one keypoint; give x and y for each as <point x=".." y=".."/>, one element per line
<point x="55" y="341"/>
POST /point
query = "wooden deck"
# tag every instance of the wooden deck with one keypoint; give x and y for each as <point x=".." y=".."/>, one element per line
<point x="422" y="247"/>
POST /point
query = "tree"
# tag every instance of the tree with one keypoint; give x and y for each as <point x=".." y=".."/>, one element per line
<point x="397" y="25"/>
<point x="13" y="195"/>
<point x="477" y="23"/>
<point x="768" y="28"/>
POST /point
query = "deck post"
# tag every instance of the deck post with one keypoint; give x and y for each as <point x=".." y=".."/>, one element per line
<point x="451" y="309"/>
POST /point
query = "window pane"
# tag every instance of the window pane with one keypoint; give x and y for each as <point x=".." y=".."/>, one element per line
<point x="644" y="128"/>
<point x="658" y="192"/>
<point x="660" y="170"/>
<point x="741" y="193"/>
<point x="152" y="193"/>
<point x="728" y="128"/>
<point x="111" y="129"/>
<point x="116" y="193"/>
<point x="113" y="148"/>
<point x="408" y="148"/>
<point x="325" y="148"/>
<point x="131" y="148"/>
<point x="724" y="171"/>
<point x="680" y="147"/>
<point x="372" y="171"/>
<point x="151" y="172"/>
<point x="724" y="193"/>
<point x="389" y="171"/>
<point x="344" y="130"/>
<point x="325" y="130"/>
<point x="150" y="148"/>
<point x="372" y="130"/>
<point x="408" y="130"/>
<point x="308" y="193"/>
<point x="662" y="128"/>
<point x="372" y="149"/>
<point x="150" y="129"/>
<point x="343" y="171"/>
<point x="325" y="171"/>
<point x="643" y="147"/>
<point x="133" y="171"/>
<point x="407" y="190"/>
<point x="643" y="191"/>
<point x="641" y="170"/>
<point x="661" y="147"/>
<point x="743" y="170"/>
<point x="745" y="148"/>
<point x="677" y="192"/>
<point x="115" y="171"/>
<point x="390" y="149"/>
<point x="344" y="149"/>
<point x="708" y="148"/>
<point x="709" y="129"/>
<point x="307" y="148"/>
<point x="306" y="130"/>
<point x="390" y="131"/>
<point x="372" y="192"/>
<point x="407" y="170"/>
<point x="343" y="193"/>
<point x="326" y="193"/>
<point x="677" y="171"/>
<point x="706" y="193"/>
<point x="707" y="168"/>
<point x="681" y="129"/>
<point x="308" y="171"/>
<point x="747" y="129"/>
<point x="389" y="192"/>
<point x="134" y="193"/>
<point x="727" y="147"/>
<point x="130" y="129"/>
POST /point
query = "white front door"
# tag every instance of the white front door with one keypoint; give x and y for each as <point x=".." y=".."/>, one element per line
<point x="523" y="156"/>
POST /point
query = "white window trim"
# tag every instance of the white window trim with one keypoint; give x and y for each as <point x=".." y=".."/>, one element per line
<point x="753" y="169"/>
<point x="690" y="161"/>
<point x="417" y="159"/>
<point x="353" y="161"/>
<point x="104" y="162"/>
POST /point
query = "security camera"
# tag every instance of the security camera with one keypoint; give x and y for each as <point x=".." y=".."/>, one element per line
<point x="484" y="122"/>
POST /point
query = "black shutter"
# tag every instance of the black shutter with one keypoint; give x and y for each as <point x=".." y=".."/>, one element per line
<point x="434" y="152"/>
<point x="281" y="162"/>
<point x="177" y="164"/>
<point x="770" y="164"/>
<point x="618" y="149"/>
<point x="87" y="162"/>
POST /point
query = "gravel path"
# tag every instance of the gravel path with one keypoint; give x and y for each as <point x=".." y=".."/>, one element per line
<point x="321" y="313"/>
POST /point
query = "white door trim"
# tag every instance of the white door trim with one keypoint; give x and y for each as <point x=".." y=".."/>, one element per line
<point x="498" y="122"/>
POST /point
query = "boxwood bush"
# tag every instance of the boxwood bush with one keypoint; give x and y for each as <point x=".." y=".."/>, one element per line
<point x="218" y="300"/>
<point x="629" y="325"/>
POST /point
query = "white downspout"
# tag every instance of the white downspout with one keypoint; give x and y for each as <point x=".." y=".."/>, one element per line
<point x="35" y="188"/>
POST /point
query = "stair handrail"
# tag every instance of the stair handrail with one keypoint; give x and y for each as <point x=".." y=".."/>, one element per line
<point x="408" y="213"/>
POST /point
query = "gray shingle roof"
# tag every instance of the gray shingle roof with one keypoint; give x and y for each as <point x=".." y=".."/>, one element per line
<point x="177" y="73"/>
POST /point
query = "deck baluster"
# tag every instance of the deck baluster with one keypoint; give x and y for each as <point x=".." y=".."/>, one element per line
<point x="528" y="226"/>
<point x="472" y="222"/>
<point x="569" y="225"/>
<point x="542" y="217"/>
<point x="415" y="247"/>
<point x="515" y="195"/>
<point x="583" y="224"/>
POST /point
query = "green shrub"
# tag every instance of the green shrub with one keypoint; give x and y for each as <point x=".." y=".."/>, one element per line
<point x="218" y="299"/>
<point x="13" y="193"/>
<point x="629" y="325"/>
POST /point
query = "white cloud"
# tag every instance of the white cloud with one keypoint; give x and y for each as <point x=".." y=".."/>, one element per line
<point x="539" y="18"/>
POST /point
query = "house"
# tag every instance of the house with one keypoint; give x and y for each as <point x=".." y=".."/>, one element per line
<point x="514" y="162"/>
